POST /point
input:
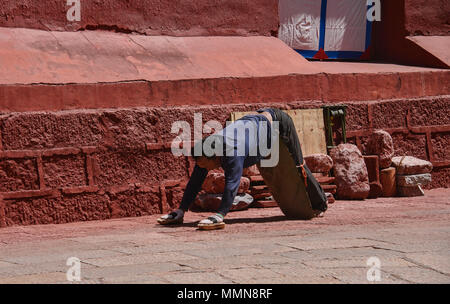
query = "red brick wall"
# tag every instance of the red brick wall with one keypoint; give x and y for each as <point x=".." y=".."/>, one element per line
<point x="419" y="127"/>
<point x="150" y="17"/>
<point x="65" y="166"/>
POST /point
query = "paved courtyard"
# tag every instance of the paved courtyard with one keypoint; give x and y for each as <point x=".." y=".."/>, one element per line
<point x="405" y="240"/>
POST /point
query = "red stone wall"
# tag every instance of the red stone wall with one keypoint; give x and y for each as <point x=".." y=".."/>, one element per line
<point x="150" y="17"/>
<point x="419" y="127"/>
<point x="65" y="166"/>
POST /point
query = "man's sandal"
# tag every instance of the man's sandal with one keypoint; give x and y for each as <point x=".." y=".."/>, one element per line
<point x="170" y="219"/>
<point x="211" y="223"/>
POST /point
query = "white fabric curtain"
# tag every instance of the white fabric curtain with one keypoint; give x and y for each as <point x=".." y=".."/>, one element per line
<point x="300" y="23"/>
<point x="345" y="26"/>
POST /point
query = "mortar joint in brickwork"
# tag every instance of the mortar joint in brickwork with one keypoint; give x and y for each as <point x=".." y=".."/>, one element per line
<point x="157" y="146"/>
<point x="14" y="154"/>
<point x="89" y="149"/>
<point x="141" y="187"/>
<point x="30" y="194"/>
<point x="441" y="164"/>
<point x="171" y="183"/>
<point x="120" y="189"/>
<point x="89" y="169"/>
<point x="369" y="114"/>
<point x="429" y="147"/>
<point x="80" y="190"/>
<point x="40" y="172"/>
<point x="60" y="152"/>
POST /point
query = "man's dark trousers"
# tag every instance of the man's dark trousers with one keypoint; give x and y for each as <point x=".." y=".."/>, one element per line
<point x="289" y="136"/>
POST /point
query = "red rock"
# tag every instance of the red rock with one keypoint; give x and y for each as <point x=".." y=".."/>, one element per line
<point x="413" y="180"/>
<point x="376" y="190"/>
<point x="251" y="171"/>
<point x="215" y="183"/>
<point x="409" y="165"/>
<point x="388" y="183"/>
<point x="380" y="143"/>
<point x="208" y="202"/>
<point x="319" y="163"/>
<point x="330" y="198"/>
<point x="350" y="171"/>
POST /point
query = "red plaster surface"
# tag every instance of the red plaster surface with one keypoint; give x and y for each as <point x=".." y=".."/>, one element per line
<point x="427" y="17"/>
<point x="151" y="17"/>
<point x="438" y="46"/>
<point x="87" y="57"/>
<point x="67" y="70"/>
<point x="403" y="18"/>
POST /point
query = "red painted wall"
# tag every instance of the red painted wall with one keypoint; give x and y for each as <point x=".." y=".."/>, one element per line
<point x="402" y="18"/>
<point x="151" y="17"/>
<point x="427" y="17"/>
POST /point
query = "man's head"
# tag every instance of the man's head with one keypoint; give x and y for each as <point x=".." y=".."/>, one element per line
<point x="204" y="161"/>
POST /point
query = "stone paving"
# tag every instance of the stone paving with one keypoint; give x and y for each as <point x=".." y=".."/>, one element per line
<point x="410" y="237"/>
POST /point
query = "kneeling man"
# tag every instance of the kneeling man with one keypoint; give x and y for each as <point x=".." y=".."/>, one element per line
<point x="243" y="143"/>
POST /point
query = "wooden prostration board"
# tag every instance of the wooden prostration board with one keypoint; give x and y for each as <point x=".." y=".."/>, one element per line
<point x="309" y="126"/>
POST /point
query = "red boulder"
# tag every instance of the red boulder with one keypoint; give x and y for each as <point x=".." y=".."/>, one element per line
<point x="319" y="163"/>
<point x="251" y="171"/>
<point x="215" y="183"/>
<point x="350" y="171"/>
<point x="408" y="165"/>
<point x="380" y="143"/>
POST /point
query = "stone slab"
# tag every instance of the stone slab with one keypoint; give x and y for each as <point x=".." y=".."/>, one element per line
<point x="437" y="46"/>
<point x="407" y="165"/>
<point x="413" y="180"/>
